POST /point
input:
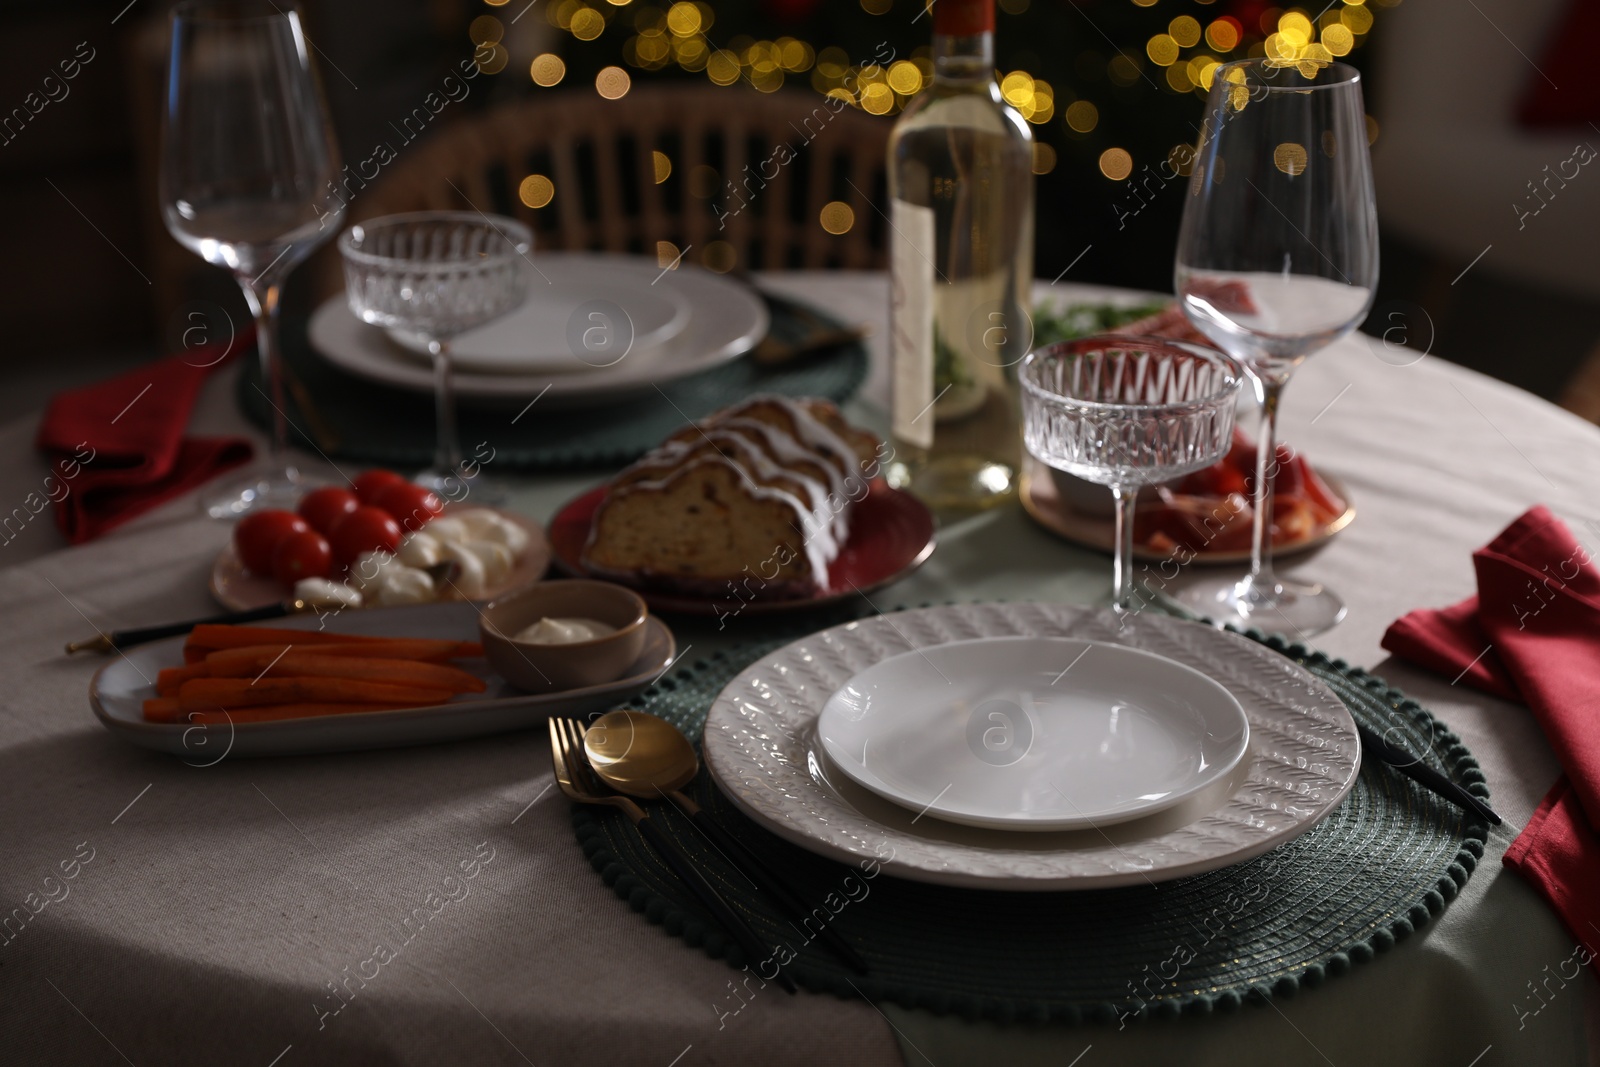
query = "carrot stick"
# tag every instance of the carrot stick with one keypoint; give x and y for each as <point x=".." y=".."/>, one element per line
<point x="417" y="650"/>
<point x="294" y="664"/>
<point x="209" y="694"/>
<point x="170" y="678"/>
<point x="221" y="635"/>
<point x="163" y="709"/>
<point x="276" y="712"/>
<point x="214" y="636"/>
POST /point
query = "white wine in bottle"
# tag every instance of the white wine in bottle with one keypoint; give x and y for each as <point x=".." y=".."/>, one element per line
<point x="961" y="265"/>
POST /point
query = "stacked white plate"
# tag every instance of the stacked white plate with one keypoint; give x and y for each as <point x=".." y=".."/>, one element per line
<point x="1032" y="746"/>
<point x="594" y="328"/>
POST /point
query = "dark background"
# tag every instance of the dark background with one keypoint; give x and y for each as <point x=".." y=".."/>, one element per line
<point x="93" y="282"/>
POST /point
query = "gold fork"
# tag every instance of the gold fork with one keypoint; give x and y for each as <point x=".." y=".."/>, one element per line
<point x="579" y="782"/>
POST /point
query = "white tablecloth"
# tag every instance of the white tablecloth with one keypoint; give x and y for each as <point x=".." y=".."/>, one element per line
<point x="229" y="914"/>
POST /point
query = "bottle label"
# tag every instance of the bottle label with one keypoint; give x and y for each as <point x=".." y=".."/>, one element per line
<point x="911" y="251"/>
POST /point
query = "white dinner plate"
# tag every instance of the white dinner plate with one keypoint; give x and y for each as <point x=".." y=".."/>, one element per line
<point x="1033" y="733"/>
<point x="762" y="749"/>
<point x="120" y="688"/>
<point x="534" y="339"/>
<point x="725" y="320"/>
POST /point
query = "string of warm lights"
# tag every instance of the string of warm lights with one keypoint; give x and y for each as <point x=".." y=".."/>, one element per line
<point x="1187" y="55"/>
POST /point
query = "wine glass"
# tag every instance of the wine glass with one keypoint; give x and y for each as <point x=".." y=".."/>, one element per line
<point x="1126" y="412"/>
<point x="435" y="275"/>
<point x="248" y="159"/>
<point x="1277" y="258"/>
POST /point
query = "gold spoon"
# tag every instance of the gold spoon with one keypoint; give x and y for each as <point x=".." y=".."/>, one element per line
<point x="644" y="756"/>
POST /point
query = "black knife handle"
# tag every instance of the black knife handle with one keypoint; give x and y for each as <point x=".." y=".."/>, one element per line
<point x="124" y="638"/>
<point x="707" y="894"/>
<point x="747" y="863"/>
<point x="1413" y="768"/>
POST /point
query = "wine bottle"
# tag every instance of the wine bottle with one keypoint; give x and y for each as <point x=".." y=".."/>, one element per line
<point x="961" y="266"/>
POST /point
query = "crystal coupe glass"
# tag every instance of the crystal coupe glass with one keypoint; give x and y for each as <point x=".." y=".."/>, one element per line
<point x="435" y="275"/>
<point x="1126" y="412"/>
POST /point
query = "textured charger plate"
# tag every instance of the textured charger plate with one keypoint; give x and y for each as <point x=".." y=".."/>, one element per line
<point x="723" y="319"/>
<point x="762" y="749"/>
<point x="367" y="422"/>
<point x="1381" y="865"/>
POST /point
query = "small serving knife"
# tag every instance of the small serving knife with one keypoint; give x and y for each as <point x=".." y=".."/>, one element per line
<point x="446" y="571"/>
<point x="110" y="642"/>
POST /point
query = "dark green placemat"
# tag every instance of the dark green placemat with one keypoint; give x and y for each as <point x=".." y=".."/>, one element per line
<point x="1381" y="865"/>
<point x="368" y="422"/>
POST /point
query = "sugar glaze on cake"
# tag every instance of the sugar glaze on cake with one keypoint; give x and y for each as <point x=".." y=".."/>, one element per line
<point x="759" y="495"/>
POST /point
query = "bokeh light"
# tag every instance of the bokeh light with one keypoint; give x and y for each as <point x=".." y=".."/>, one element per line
<point x="1082" y="116"/>
<point x="905" y="78"/>
<point x="547" y="69"/>
<point x="1223" y="35"/>
<point x="1290" y="157"/>
<point x="485" y="29"/>
<point x="1116" y="164"/>
<point x="612" y="83"/>
<point x="1162" y="50"/>
<point x="1357" y="19"/>
<point x="1338" y="39"/>
<point x="1044" y="158"/>
<point x="587" y="24"/>
<point x="836" y="217"/>
<point x="684" y="19"/>
<point x="719" y="256"/>
<point x="491" y="59"/>
<point x="1185" y="30"/>
<point x="536" y="190"/>
<point x="722" y="67"/>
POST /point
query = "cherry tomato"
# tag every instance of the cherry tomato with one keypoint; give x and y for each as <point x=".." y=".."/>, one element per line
<point x="411" y="505"/>
<point x="257" y="535"/>
<point x="369" y="483"/>
<point x="366" y="529"/>
<point x="303" y="554"/>
<point x="324" y="507"/>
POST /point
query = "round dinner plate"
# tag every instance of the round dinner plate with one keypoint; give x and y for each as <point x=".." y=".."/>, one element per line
<point x="892" y="533"/>
<point x="725" y="320"/>
<point x="1033" y="733"/>
<point x="238" y="590"/>
<point x="762" y="748"/>
<point x="534" y="339"/>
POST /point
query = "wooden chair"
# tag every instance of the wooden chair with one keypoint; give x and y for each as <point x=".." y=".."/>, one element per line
<point x="775" y="160"/>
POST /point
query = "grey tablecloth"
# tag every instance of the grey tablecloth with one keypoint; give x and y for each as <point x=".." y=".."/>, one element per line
<point x="229" y="914"/>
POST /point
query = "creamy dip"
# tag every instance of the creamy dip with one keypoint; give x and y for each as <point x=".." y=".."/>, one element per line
<point x="564" y="631"/>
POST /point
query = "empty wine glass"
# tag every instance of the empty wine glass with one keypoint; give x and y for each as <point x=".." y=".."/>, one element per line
<point x="1277" y="258"/>
<point x="247" y="158"/>
<point x="1126" y="412"/>
<point x="435" y="275"/>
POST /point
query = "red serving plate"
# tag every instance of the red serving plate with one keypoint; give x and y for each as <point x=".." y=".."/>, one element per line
<point x="891" y="534"/>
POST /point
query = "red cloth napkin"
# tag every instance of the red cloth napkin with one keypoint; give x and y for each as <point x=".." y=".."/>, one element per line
<point x="1532" y="634"/>
<point x="119" y="448"/>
